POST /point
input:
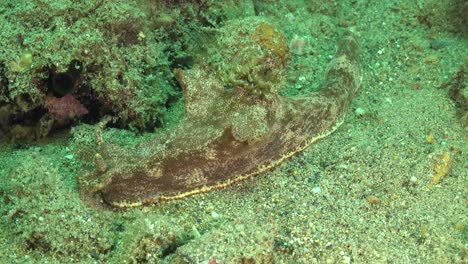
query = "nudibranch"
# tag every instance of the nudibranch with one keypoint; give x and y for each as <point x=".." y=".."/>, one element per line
<point x="229" y="136"/>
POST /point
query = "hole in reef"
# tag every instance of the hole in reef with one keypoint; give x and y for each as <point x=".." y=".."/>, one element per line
<point x="62" y="83"/>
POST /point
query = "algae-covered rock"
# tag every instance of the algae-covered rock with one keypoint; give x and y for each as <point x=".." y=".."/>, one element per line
<point x="113" y="60"/>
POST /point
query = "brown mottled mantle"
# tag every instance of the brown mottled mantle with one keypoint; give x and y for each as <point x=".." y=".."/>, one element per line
<point x="229" y="136"/>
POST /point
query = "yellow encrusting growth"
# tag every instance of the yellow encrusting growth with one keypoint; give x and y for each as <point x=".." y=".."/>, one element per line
<point x="267" y="36"/>
<point x="442" y="165"/>
<point x="430" y="138"/>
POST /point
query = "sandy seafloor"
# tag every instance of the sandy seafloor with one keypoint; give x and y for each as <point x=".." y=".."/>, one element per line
<point x="362" y="195"/>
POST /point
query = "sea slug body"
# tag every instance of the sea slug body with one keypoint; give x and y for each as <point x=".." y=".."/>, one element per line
<point x="230" y="136"/>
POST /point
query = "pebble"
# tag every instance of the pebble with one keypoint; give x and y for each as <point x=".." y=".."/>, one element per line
<point x="215" y="215"/>
<point x="316" y="190"/>
<point x="438" y="44"/>
<point x="360" y="112"/>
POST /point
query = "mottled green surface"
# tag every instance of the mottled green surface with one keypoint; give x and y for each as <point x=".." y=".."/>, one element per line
<point x="313" y="208"/>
